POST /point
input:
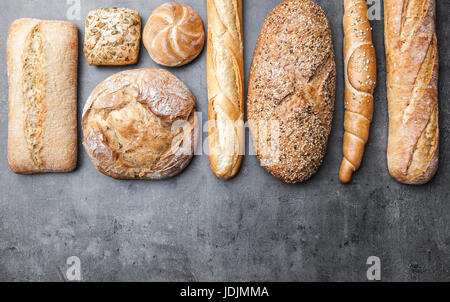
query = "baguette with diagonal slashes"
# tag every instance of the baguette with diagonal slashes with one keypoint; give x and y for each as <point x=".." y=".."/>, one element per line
<point x="412" y="80"/>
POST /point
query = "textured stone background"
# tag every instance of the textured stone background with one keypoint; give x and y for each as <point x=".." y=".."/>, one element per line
<point x="197" y="228"/>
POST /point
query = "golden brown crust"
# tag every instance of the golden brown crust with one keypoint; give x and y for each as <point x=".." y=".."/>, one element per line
<point x="140" y="124"/>
<point x="225" y="66"/>
<point x="174" y="34"/>
<point x="42" y="74"/>
<point x="412" y="80"/>
<point x="360" y="81"/>
<point x="292" y="90"/>
<point x="112" y="36"/>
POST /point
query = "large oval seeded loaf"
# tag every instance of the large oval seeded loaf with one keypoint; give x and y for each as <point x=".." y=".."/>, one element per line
<point x="292" y="90"/>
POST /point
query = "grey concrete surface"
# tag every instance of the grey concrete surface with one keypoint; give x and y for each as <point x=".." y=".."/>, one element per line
<point x="253" y="228"/>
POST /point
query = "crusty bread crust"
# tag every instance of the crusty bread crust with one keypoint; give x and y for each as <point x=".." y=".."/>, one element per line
<point x="412" y="85"/>
<point x="292" y="90"/>
<point x="225" y="66"/>
<point x="42" y="74"/>
<point x="140" y="124"/>
<point x="360" y="81"/>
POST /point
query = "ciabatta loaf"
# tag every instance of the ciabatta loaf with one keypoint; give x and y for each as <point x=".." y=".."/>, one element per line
<point x="42" y="74"/>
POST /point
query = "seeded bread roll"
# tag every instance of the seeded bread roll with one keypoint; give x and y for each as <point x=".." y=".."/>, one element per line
<point x="291" y="90"/>
<point x="113" y="36"/>
<point x="42" y="59"/>
<point x="412" y="85"/>
<point x="139" y="124"/>
<point x="174" y="34"/>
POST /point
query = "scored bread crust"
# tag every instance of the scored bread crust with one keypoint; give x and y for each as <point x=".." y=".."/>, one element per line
<point x="412" y="86"/>
<point x="292" y="90"/>
<point x="360" y="80"/>
<point x="140" y="124"/>
<point x="174" y="34"/>
<point x="225" y="73"/>
<point x="42" y="59"/>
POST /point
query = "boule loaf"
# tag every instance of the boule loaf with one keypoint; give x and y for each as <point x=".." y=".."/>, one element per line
<point x="412" y="86"/>
<point x="140" y="124"/>
<point x="292" y="90"/>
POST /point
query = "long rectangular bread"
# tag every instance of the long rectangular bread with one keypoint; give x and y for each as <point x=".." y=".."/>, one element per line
<point x="225" y="69"/>
<point x="412" y="81"/>
<point x="42" y="58"/>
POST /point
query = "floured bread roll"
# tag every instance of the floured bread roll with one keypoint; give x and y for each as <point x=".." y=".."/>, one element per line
<point x="140" y="124"/>
<point x="174" y="34"/>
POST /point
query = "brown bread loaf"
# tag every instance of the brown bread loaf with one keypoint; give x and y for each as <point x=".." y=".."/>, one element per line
<point x="292" y="90"/>
<point x="412" y="86"/>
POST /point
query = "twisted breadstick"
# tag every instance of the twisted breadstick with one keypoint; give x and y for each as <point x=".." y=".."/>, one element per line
<point x="225" y="66"/>
<point x="360" y="82"/>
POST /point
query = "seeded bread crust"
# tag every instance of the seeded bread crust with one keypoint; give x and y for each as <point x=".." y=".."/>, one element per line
<point x="292" y="90"/>
<point x="42" y="59"/>
<point x="112" y="36"/>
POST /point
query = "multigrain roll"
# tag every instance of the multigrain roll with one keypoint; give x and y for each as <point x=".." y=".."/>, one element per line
<point x="140" y="124"/>
<point x="112" y="36"/>
<point x="42" y="74"/>
<point x="412" y="86"/>
<point x="291" y="90"/>
<point x="174" y="34"/>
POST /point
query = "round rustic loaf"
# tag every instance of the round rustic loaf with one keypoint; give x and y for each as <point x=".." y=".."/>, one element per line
<point x="174" y="34"/>
<point x="292" y="90"/>
<point x="140" y="124"/>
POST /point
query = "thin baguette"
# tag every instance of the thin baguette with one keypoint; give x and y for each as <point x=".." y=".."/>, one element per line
<point x="225" y="69"/>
